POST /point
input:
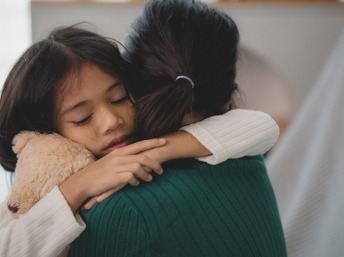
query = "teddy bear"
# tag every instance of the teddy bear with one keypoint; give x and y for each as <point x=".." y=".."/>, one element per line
<point x="43" y="161"/>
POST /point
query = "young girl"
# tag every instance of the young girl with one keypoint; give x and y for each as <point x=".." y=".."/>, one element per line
<point x="72" y="83"/>
<point x="184" y="53"/>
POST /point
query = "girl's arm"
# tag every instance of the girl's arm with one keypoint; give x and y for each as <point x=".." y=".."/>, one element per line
<point x="234" y="134"/>
<point x="50" y="225"/>
<point x="45" y="230"/>
<point x="111" y="173"/>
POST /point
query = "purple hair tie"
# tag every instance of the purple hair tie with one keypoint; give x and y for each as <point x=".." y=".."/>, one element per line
<point x="186" y="78"/>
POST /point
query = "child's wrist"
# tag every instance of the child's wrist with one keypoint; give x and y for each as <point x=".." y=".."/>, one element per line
<point x="184" y="145"/>
<point x="74" y="192"/>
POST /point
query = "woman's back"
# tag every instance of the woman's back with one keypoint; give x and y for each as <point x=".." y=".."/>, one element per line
<point x="223" y="210"/>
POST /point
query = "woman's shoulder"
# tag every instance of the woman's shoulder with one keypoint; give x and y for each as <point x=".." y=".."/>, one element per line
<point x="178" y="183"/>
<point x="182" y="197"/>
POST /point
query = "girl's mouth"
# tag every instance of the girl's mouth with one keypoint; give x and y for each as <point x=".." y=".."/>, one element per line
<point x="117" y="143"/>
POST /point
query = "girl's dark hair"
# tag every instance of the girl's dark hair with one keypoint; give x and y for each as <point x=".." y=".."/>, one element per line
<point x="173" y="38"/>
<point x="29" y="93"/>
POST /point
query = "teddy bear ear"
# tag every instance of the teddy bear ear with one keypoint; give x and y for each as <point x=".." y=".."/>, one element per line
<point x="21" y="139"/>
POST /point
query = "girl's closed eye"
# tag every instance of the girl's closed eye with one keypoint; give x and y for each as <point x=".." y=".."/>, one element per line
<point x="83" y="121"/>
<point x="120" y="100"/>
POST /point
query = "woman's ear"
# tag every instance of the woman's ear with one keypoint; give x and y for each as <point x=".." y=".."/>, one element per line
<point x="227" y="106"/>
<point x="192" y="118"/>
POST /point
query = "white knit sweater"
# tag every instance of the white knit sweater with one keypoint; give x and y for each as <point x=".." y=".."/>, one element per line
<point x="50" y="226"/>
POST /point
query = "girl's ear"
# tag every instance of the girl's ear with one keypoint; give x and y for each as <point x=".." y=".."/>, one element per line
<point x="21" y="139"/>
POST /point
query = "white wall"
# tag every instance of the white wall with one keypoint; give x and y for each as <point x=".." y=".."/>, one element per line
<point x="296" y="39"/>
<point x="15" y="31"/>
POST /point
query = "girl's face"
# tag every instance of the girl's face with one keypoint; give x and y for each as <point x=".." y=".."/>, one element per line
<point x="96" y="112"/>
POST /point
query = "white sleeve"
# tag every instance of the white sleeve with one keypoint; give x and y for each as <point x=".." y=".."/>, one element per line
<point x="235" y="134"/>
<point x="45" y="230"/>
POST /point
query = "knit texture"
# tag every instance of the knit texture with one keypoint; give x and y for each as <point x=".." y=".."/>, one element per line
<point x="223" y="210"/>
<point x="235" y="134"/>
<point x="37" y="232"/>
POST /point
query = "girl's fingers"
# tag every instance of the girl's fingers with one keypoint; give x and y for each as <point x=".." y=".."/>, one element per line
<point x="99" y="198"/>
<point x="141" y="161"/>
<point x="127" y="178"/>
<point x="149" y="164"/>
<point x="105" y="195"/>
<point x="140" y="146"/>
<point x="135" y="171"/>
<point x="134" y="181"/>
<point x="90" y="202"/>
<point x="128" y="173"/>
<point x="115" y="173"/>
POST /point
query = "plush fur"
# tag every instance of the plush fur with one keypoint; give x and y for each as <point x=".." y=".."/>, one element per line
<point x="44" y="161"/>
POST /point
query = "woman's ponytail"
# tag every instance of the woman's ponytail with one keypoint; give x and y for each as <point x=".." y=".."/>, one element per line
<point x="163" y="110"/>
<point x="173" y="44"/>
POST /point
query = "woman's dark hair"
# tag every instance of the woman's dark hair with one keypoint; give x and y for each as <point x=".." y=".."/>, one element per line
<point x="173" y="38"/>
<point x="29" y="93"/>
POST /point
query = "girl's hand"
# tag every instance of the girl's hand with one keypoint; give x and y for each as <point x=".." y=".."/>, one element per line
<point x="112" y="172"/>
<point x="179" y="145"/>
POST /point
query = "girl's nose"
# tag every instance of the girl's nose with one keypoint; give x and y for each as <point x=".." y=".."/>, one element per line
<point x="110" y="121"/>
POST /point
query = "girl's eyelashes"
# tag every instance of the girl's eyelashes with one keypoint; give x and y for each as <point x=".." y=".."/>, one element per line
<point x="121" y="100"/>
<point x="82" y="122"/>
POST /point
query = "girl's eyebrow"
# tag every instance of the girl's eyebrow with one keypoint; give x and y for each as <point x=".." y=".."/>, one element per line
<point x="73" y="107"/>
<point x="82" y="103"/>
<point x="116" y="84"/>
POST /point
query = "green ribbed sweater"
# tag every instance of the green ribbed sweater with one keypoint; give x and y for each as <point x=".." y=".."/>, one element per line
<point x="223" y="210"/>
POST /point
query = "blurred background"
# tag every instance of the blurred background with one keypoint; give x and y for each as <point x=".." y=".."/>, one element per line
<point x="284" y="43"/>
